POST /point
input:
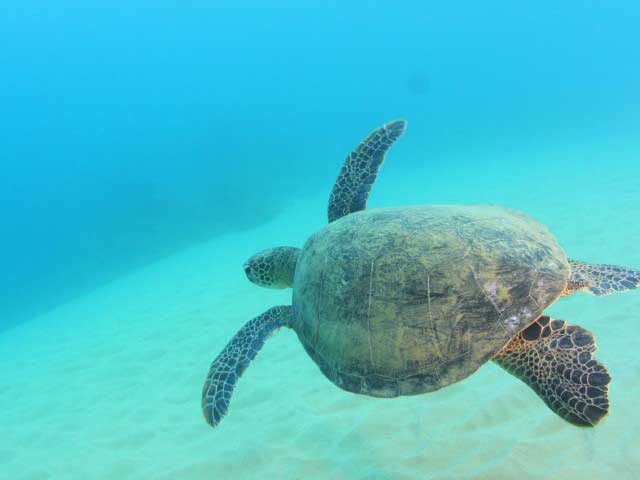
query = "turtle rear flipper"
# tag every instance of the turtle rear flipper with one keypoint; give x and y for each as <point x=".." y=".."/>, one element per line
<point x="601" y="280"/>
<point x="360" y="169"/>
<point x="227" y="368"/>
<point x="555" y="359"/>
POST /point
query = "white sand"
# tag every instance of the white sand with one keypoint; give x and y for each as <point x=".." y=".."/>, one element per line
<point x="108" y="387"/>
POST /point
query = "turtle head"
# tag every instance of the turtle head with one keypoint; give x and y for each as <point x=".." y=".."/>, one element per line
<point x="273" y="268"/>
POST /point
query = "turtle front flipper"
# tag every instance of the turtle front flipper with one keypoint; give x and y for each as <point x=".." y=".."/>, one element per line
<point x="360" y="169"/>
<point x="227" y="368"/>
<point x="601" y="280"/>
<point x="555" y="360"/>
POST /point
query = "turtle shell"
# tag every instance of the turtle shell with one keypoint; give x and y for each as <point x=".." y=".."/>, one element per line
<point x="401" y="301"/>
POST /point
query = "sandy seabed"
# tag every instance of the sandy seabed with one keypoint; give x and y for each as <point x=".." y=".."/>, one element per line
<point x="108" y="386"/>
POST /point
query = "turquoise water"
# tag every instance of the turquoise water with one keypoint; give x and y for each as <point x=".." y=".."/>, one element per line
<point x="150" y="149"/>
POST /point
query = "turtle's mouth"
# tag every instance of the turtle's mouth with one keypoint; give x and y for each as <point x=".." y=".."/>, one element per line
<point x="249" y="272"/>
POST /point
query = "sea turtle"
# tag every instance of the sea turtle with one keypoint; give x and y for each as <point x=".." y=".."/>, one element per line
<point x="402" y="301"/>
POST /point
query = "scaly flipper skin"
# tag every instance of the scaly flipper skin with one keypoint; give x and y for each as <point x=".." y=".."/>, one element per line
<point x="555" y="359"/>
<point x="360" y="169"/>
<point x="601" y="280"/>
<point x="235" y="358"/>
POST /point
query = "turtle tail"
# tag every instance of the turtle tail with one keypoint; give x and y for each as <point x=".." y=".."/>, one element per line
<point x="227" y="368"/>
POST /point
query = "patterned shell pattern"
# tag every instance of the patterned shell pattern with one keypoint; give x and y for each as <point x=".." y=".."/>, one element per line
<point x="401" y="301"/>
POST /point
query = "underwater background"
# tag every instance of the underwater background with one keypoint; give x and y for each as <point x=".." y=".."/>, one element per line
<point x="147" y="149"/>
